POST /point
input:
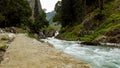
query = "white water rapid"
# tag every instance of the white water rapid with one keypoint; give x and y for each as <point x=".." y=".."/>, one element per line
<point x="98" y="57"/>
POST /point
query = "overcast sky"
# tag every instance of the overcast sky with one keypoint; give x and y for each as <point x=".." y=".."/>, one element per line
<point x="48" y="4"/>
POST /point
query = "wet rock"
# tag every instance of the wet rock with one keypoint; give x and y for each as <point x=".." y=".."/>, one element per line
<point x="113" y="36"/>
<point x="41" y="34"/>
<point x="115" y="39"/>
<point x="1" y="31"/>
<point x="49" y="33"/>
<point x="113" y="32"/>
<point x="90" y="43"/>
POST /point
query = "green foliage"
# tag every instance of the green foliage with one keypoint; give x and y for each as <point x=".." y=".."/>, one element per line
<point x="57" y="17"/>
<point x="52" y="27"/>
<point x="3" y="47"/>
<point x="4" y="38"/>
<point x="2" y="18"/>
<point x="70" y="34"/>
<point x="15" y="12"/>
<point x="40" y="22"/>
<point x="30" y="35"/>
<point x="67" y="12"/>
<point x="74" y="11"/>
<point x="111" y="23"/>
<point x="107" y="15"/>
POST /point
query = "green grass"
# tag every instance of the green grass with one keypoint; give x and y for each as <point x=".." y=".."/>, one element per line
<point x="30" y="35"/>
<point x="53" y="27"/>
<point x="70" y="33"/>
<point x="4" y="38"/>
<point x="3" y="47"/>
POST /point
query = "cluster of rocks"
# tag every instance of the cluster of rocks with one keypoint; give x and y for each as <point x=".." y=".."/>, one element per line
<point x="1" y="55"/>
<point x="5" y="38"/>
<point x="11" y="30"/>
<point x="4" y="30"/>
<point x="113" y="36"/>
<point x="45" y="33"/>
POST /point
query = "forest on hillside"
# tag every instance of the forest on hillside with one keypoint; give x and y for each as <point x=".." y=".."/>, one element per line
<point x="89" y="20"/>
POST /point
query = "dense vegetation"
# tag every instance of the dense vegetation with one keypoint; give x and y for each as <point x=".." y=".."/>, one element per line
<point x="17" y="13"/>
<point x="14" y="12"/>
<point x="40" y="22"/>
<point x="89" y="20"/>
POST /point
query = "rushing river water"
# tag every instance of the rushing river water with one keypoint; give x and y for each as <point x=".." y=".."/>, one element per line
<point x="99" y="57"/>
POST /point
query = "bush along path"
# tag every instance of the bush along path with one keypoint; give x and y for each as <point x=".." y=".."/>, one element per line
<point x="25" y="52"/>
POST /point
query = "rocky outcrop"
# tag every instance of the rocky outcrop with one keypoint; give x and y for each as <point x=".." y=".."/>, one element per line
<point x="35" y="5"/>
<point x="113" y="36"/>
<point x="45" y="33"/>
<point x="49" y="33"/>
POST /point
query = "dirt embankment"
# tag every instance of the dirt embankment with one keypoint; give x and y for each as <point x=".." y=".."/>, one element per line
<point x="25" y="52"/>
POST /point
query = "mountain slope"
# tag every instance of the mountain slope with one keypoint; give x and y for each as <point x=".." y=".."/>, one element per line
<point x="97" y="25"/>
<point x="49" y="16"/>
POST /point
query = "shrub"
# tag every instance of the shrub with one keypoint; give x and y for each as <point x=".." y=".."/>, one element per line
<point x="4" y="38"/>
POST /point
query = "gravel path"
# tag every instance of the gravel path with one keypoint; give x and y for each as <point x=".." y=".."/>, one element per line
<point x="25" y="52"/>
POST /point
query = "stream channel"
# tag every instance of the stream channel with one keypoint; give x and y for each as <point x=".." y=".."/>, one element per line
<point x="97" y="56"/>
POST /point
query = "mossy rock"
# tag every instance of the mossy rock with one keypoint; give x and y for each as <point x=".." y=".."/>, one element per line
<point x="3" y="47"/>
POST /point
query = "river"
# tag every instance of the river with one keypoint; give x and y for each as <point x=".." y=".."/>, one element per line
<point x="98" y="57"/>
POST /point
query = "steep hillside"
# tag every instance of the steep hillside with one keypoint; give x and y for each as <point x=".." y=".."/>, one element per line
<point x="97" y="25"/>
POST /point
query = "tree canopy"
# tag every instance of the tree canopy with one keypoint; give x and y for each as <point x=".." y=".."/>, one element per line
<point x="14" y="12"/>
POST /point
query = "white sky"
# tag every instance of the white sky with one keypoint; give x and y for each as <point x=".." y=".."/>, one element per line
<point x="48" y="4"/>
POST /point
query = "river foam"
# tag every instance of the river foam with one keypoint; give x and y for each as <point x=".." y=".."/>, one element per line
<point x="99" y="57"/>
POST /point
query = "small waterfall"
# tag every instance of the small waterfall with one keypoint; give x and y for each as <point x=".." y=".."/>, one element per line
<point x="56" y="33"/>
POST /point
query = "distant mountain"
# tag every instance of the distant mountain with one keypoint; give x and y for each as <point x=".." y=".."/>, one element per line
<point x="49" y="16"/>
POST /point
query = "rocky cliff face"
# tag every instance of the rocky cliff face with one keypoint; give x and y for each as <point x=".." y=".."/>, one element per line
<point x="35" y="5"/>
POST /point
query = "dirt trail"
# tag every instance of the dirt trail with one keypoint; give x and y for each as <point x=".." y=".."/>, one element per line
<point x="25" y="52"/>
